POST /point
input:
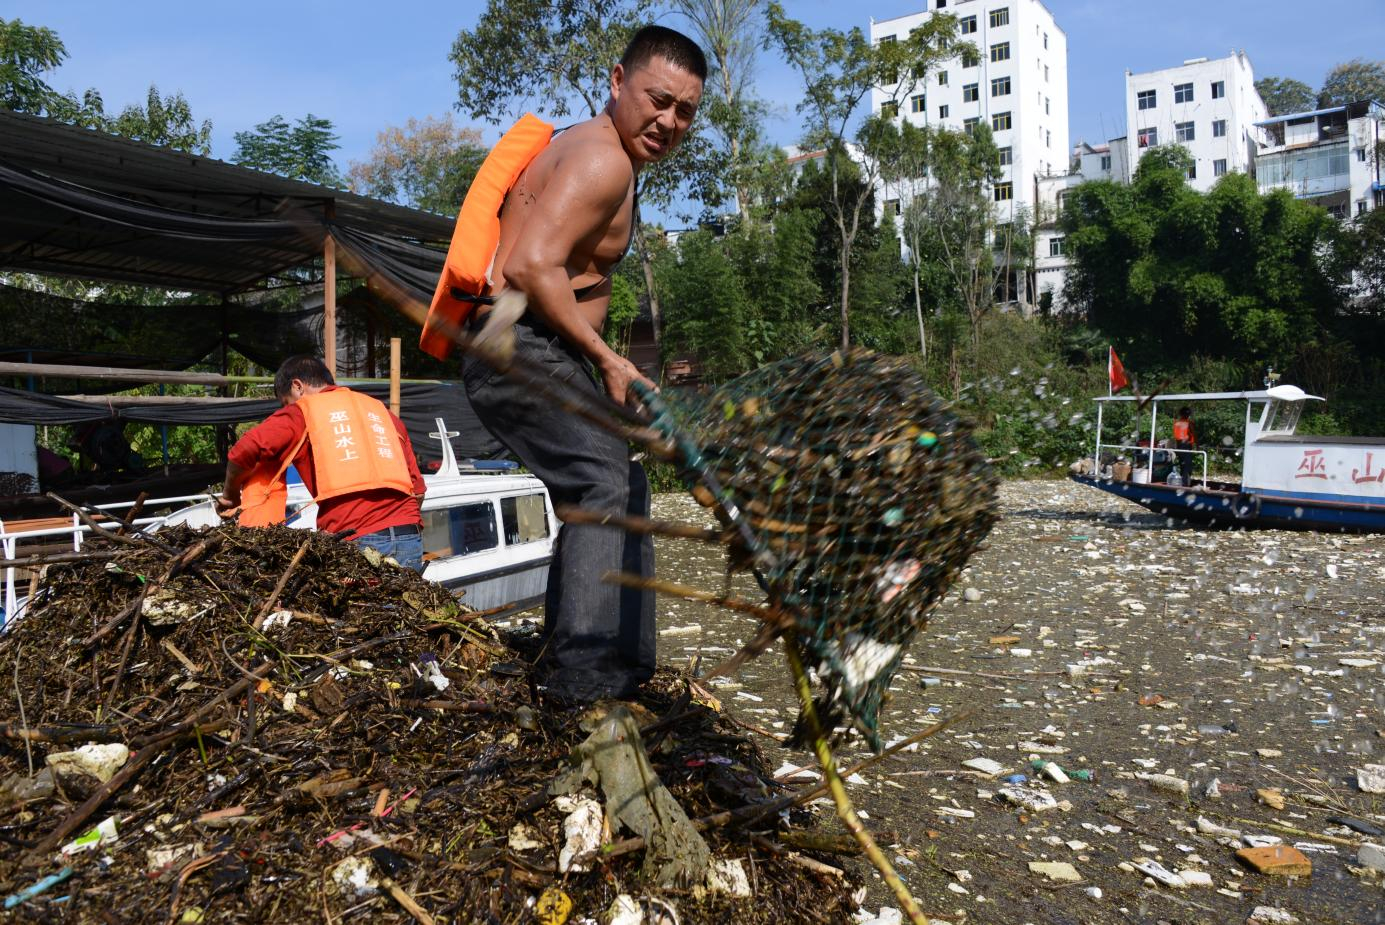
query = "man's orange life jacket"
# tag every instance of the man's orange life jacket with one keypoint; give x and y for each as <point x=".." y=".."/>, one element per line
<point x="477" y="234"/>
<point x="355" y="448"/>
<point x="1183" y="430"/>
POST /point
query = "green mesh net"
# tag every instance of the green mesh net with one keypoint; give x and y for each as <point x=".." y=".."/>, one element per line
<point x="856" y="499"/>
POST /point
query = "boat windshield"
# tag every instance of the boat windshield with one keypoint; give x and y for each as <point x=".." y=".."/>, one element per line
<point x="1282" y="418"/>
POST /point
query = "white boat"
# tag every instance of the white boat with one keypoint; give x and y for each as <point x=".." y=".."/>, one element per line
<point x="488" y="532"/>
<point x="1289" y="481"/>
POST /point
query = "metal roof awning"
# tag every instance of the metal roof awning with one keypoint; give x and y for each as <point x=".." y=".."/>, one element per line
<point x="1281" y="392"/>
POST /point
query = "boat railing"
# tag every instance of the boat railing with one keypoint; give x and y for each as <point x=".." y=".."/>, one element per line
<point x="1151" y="450"/>
<point x="76" y="531"/>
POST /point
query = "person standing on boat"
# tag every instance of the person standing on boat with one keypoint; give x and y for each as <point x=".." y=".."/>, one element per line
<point x="566" y="222"/>
<point x="353" y="455"/>
<point x="1185" y="438"/>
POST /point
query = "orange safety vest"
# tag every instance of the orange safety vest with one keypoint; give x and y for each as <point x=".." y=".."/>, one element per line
<point x="355" y="448"/>
<point x="1183" y="431"/>
<point x="471" y="255"/>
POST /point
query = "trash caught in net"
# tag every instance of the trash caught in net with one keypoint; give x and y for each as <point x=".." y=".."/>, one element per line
<point x="859" y="497"/>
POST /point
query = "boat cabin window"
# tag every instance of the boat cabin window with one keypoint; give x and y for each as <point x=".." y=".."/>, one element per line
<point x="524" y="519"/>
<point x="1282" y="418"/>
<point x="460" y="531"/>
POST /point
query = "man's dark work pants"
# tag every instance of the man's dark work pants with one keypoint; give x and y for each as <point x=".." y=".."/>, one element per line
<point x="600" y="635"/>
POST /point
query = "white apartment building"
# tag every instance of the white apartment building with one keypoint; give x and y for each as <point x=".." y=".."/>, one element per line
<point x="1210" y="107"/>
<point x="1016" y="82"/>
<point x="1329" y="157"/>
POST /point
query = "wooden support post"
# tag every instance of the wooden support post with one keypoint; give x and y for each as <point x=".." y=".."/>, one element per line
<point x="329" y="304"/>
<point x="394" y="376"/>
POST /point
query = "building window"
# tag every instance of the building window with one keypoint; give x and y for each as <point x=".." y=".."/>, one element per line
<point x="1192" y="171"/>
<point x="892" y="205"/>
<point x="917" y="103"/>
<point x="1360" y="207"/>
<point x="1219" y="167"/>
<point x="971" y="93"/>
<point x="1055" y="247"/>
<point x="1004" y="192"/>
<point x="942" y="111"/>
<point x="1005" y="156"/>
<point x="1000" y="51"/>
<point x="1000" y="122"/>
<point x="1105" y="162"/>
<point x="1045" y="39"/>
<point x="1147" y="137"/>
<point x="1147" y="99"/>
<point x="1361" y="155"/>
<point x="1048" y="138"/>
<point x="887" y="39"/>
<point x="967" y="25"/>
<point x="1062" y="200"/>
<point x="1218" y="89"/>
<point x="889" y="109"/>
<point x="1046" y="112"/>
<point x="1219" y="128"/>
<point x="1000" y="17"/>
<point x="1183" y="132"/>
<point x="942" y="78"/>
<point x="1045" y="73"/>
<point x="1000" y="86"/>
<point x="969" y="125"/>
<point x="1183" y="93"/>
<point x="971" y="58"/>
<point x="942" y="4"/>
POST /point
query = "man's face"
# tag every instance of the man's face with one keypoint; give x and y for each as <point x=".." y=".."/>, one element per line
<point x="654" y="105"/>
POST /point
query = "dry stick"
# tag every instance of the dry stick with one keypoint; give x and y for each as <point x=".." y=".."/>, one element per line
<point x="23" y="721"/>
<point x="845" y="811"/>
<point x="268" y="604"/>
<point x="125" y="650"/>
<point x="929" y="669"/>
<point x="51" y="558"/>
<point x="765" y="612"/>
<point x="404" y="899"/>
<point x="60" y="735"/>
<point x="90" y="521"/>
<point x="128" y="522"/>
<point x="576" y="515"/>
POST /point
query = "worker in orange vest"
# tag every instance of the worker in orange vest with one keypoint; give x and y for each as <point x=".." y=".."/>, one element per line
<point x="353" y="455"/>
<point x="1185" y="438"/>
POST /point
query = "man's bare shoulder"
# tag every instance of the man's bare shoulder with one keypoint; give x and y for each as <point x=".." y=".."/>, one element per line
<point x="590" y="153"/>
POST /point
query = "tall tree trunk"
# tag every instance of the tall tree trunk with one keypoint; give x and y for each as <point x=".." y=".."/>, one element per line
<point x="656" y="315"/>
<point x="918" y="310"/>
<point x="846" y="293"/>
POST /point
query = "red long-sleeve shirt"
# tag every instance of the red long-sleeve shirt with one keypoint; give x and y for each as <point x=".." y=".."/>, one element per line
<point x="360" y="512"/>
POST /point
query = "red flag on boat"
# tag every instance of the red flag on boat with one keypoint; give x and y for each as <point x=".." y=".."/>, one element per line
<point x="1115" y="371"/>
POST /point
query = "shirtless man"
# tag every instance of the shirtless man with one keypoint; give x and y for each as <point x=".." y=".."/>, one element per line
<point x="565" y="225"/>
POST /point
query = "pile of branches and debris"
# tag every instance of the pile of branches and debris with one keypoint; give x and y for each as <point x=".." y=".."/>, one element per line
<point x="270" y="726"/>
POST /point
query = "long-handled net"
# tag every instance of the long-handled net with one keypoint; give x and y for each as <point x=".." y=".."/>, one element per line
<point x="851" y="493"/>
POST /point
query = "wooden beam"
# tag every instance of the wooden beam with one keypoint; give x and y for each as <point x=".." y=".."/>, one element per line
<point x="329" y="304"/>
<point x="394" y="376"/>
<point x="172" y="377"/>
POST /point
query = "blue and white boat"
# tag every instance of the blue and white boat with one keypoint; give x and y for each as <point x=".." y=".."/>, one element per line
<point x="1288" y="481"/>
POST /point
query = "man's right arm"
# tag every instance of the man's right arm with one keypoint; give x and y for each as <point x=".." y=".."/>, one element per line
<point x="269" y="440"/>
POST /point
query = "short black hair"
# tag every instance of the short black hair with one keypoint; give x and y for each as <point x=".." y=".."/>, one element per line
<point x="310" y="370"/>
<point x="1185" y="412"/>
<point x="661" y="42"/>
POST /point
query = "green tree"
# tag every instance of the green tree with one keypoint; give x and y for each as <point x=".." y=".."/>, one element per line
<point x="554" y="56"/>
<point x="26" y="54"/>
<point x="1171" y="271"/>
<point x="1284" y="95"/>
<point x="903" y="153"/>
<point x="839" y="69"/>
<point x="428" y="165"/>
<point x="952" y="218"/>
<point x="301" y="151"/>
<point x="162" y="120"/>
<point x="707" y="309"/>
<point x="730" y="32"/>
<point x="1353" y="81"/>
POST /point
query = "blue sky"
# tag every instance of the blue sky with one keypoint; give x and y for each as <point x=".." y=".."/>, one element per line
<point x="368" y="65"/>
